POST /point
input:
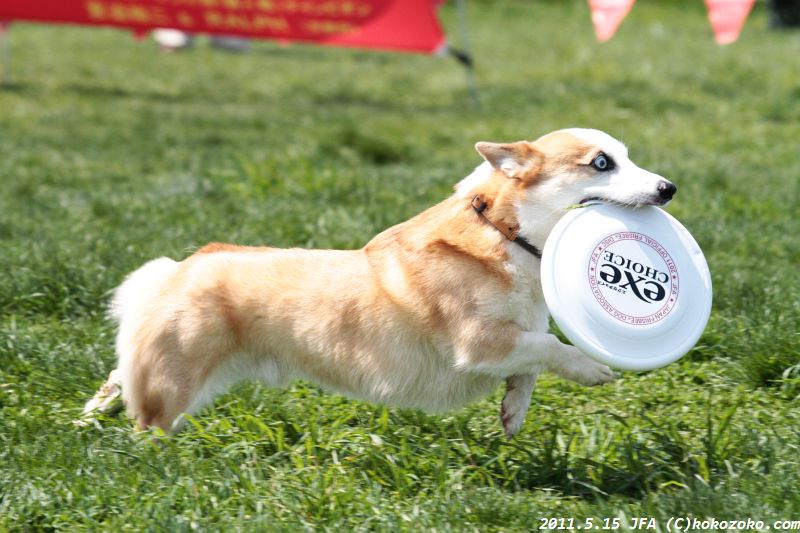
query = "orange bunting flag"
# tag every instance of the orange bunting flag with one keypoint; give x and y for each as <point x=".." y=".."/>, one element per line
<point x="607" y="15"/>
<point x="727" y="18"/>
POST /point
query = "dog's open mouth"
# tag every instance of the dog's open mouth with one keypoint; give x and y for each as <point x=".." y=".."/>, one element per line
<point x="591" y="199"/>
<point x="633" y="203"/>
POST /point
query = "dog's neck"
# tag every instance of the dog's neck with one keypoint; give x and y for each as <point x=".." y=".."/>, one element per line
<point x="507" y="208"/>
<point x="537" y="221"/>
<point x="511" y="232"/>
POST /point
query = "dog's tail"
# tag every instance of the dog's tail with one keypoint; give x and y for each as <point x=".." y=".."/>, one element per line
<point x="130" y="304"/>
<point x="140" y="288"/>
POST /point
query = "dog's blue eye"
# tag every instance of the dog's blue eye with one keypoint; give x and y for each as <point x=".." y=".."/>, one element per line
<point x="602" y="163"/>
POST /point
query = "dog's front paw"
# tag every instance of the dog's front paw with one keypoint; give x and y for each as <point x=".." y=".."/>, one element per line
<point x="581" y="369"/>
<point x="595" y="374"/>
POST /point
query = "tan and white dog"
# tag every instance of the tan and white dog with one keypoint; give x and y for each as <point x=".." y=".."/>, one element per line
<point x="432" y="313"/>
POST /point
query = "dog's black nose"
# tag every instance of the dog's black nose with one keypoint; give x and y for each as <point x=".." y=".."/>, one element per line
<point x="666" y="190"/>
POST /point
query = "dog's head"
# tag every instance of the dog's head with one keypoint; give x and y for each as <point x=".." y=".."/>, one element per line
<point x="538" y="180"/>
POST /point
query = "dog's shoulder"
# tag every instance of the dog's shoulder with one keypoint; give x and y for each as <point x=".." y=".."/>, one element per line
<point x="445" y="245"/>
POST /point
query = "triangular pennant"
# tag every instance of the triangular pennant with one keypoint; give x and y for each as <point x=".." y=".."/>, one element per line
<point x="607" y="15"/>
<point x="727" y="18"/>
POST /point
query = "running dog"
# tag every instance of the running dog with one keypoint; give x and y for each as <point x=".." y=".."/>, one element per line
<point x="432" y="313"/>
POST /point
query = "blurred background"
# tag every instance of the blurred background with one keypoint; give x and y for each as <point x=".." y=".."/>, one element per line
<point x="113" y="152"/>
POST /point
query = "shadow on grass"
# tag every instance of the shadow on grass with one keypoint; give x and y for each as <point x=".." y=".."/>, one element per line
<point x="105" y="91"/>
<point x="635" y="469"/>
<point x="14" y="87"/>
<point x="408" y="452"/>
<point x="630" y="461"/>
<point x="302" y="51"/>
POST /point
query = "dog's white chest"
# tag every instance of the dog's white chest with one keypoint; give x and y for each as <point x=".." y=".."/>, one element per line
<point x="524" y="303"/>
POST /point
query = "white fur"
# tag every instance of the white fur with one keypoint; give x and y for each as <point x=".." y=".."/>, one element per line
<point x="479" y="175"/>
<point x="628" y="184"/>
<point x="130" y="306"/>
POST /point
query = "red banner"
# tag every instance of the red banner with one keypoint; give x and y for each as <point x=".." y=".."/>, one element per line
<point x="404" y="25"/>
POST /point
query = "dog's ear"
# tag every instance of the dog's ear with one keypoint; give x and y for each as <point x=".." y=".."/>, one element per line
<point x="512" y="159"/>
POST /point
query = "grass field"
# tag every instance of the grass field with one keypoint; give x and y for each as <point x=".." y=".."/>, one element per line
<point x="112" y="154"/>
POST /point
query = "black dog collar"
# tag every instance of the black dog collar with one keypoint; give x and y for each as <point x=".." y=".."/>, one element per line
<point x="479" y="205"/>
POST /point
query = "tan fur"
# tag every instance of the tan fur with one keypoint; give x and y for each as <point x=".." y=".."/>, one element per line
<point x="431" y="313"/>
<point x="318" y="309"/>
<point x="566" y="153"/>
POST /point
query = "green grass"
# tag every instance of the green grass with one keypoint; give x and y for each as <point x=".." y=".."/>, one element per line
<point x="112" y="154"/>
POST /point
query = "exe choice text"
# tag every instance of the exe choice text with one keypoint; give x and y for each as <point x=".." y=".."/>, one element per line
<point x="617" y="270"/>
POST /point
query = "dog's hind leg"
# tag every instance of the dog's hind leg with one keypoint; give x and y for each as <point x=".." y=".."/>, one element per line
<point x="159" y="386"/>
<point x="172" y="372"/>
<point x="107" y="400"/>
<point x="516" y="401"/>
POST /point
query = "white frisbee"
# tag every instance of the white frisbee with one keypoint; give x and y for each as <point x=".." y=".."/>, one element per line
<point x="629" y="287"/>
